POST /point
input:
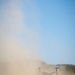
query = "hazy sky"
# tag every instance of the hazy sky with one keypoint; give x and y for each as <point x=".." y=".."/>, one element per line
<point x="54" y="20"/>
<point x="57" y="30"/>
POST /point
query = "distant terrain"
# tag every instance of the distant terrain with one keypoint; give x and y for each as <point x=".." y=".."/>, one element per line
<point x="34" y="67"/>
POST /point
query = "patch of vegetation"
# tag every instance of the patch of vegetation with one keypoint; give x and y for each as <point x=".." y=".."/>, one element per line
<point x="70" y="68"/>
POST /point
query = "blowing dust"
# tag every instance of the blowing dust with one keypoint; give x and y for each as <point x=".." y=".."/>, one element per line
<point x="18" y="42"/>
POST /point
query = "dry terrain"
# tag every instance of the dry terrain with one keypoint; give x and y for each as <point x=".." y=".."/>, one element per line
<point x="29" y="67"/>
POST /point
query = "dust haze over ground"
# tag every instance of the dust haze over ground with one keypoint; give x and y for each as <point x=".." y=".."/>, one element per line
<point x="18" y="43"/>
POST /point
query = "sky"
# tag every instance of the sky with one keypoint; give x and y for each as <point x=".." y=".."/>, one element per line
<point x="53" y="24"/>
<point x="57" y="30"/>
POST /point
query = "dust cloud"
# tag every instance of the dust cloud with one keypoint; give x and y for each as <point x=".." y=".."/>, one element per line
<point x="18" y="42"/>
